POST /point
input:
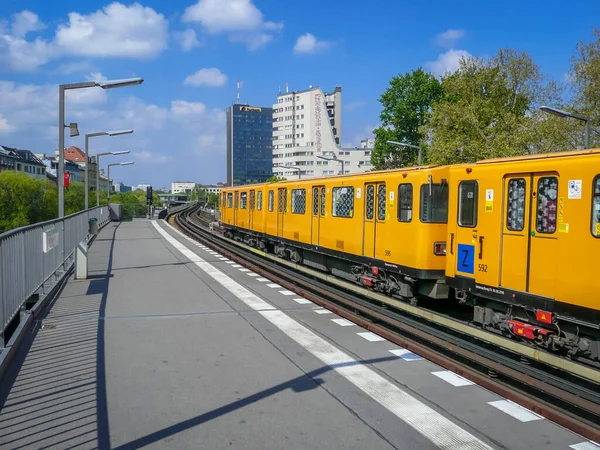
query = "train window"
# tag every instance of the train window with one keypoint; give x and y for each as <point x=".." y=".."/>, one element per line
<point x="405" y="202"/>
<point x="236" y="200"/>
<point x="229" y="200"/>
<point x="467" y="203"/>
<point x="259" y="201"/>
<point x="342" y="204"/>
<point x="596" y="207"/>
<point x="252" y="199"/>
<point x="381" y="202"/>
<point x="282" y="200"/>
<point x="515" y="210"/>
<point x="434" y="203"/>
<point x="271" y="200"/>
<point x="244" y="200"/>
<point x="547" y="195"/>
<point x="370" y="205"/>
<point x="315" y="201"/>
<point x="298" y="201"/>
<point x="322" y="201"/>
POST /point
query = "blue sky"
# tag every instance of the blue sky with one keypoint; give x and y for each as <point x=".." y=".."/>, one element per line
<point x="191" y="53"/>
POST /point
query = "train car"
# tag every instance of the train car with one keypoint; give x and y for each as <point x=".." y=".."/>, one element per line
<point x="523" y="245"/>
<point x="385" y="230"/>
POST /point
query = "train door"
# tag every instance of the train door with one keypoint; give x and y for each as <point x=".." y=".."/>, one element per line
<point x="281" y="209"/>
<point x="469" y="243"/>
<point x="236" y="204"/>
<point x="532" y="214"/>
<point x="318" y="211"/>
<point x="374" y="216"/>
<point x="251" y="209"/>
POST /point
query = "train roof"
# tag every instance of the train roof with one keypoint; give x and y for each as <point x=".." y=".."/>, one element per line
<point x="538" y="156"/>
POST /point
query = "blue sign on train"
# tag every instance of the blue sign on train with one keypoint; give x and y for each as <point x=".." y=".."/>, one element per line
<point x="465" y="259"/>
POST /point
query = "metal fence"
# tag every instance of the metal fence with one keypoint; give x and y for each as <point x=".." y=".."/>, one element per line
<point x="32" y="256"/>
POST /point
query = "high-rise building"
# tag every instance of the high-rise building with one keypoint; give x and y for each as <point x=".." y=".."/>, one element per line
<point x="249" y="144"/>
<point x="307" y="130"/>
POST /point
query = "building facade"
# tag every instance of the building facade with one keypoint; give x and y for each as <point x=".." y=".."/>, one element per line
<point x="22" y="161"/>
<point x="249" y="144"/>
<point x="182" y="187"/>
<point x="307" y="130"/>
<point x="211" y="188"/>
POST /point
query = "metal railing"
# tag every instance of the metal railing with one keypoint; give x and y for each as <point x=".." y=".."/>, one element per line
<point x="34" y="255"/>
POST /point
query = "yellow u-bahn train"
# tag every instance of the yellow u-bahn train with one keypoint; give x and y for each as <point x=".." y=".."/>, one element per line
<point x="516" y="238"/>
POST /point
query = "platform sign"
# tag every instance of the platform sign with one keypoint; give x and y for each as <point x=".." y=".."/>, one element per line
<point x="465" y="259"/>
<point x="49" y="239"/>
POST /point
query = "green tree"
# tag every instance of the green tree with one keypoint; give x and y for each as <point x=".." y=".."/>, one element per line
<point x="406" y="108"/>
<point x="74" y="198"/>
<point x="585" y="83"/>
<point x="490" y="109"/>
<point x="198" y="194"/>
<point x="274" y="179"/>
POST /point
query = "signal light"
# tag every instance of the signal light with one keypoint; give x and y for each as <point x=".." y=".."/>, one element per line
<point x="469" y="170"/>
<point x="439" y="248"/>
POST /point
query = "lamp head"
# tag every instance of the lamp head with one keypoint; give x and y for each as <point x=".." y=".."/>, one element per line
<point x="73" y="130"/>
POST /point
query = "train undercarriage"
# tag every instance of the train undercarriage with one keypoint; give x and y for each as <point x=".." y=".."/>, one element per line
<point x="544" y="329"/>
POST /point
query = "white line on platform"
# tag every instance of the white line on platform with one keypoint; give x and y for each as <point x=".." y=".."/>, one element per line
<point x="343" y="322"/>
<point x="322" y="311"/>
<point x="516" y="411"/>
<point x="287" y="293"/>
<point x="302" y="301"/>
<point x="243" y="269"/>
<point x="441" y="431"/>
<point x="371" y="337"/>
<point x="452" y="378"/>
<point x="263" y="280"/>
<point x="273" y="285"/>
<point x="229" y="262"/>
<point x="406" y="355"/>
<point x="252" y="274"/>
<point x="589" y="445"/>
<point x="236" y="266"/>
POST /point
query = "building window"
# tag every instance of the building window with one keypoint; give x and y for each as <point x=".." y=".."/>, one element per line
<point x="434" y="203"/>
<point x="229" y="200"/>
<point x="298" y="201"/>
<point x="259" y="201"/>
<point x="596" y="207"/>
<point x="405" y="202"/>
<point x="467" y="203"/>
<point x="515" y="211"/>
<point x="343" y="201"/>
<point x="381" y="199"/>
<point x="546" y="205"/>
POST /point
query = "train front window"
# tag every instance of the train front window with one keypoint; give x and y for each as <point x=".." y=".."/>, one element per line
<point x="467" y="203"/>
<point x="434" y="203"/>
<point x="596" y="207"/>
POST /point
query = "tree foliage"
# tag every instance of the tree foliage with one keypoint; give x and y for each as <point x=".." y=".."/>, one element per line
<point x="275" y="178"/>
<point x="406" y="108"/>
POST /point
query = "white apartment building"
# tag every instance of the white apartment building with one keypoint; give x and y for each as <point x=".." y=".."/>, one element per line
<point x="182" y="187"/>
<point x="212" y="188"/>
<point x="307" y="125"/>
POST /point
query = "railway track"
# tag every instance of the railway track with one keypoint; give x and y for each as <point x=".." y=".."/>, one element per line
<point x="561" y="395"/>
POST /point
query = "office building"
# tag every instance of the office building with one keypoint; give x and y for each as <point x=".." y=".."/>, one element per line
<point x="182" y="187"/>
<point x="307" y="125"/>
<point x="249" y="144"/>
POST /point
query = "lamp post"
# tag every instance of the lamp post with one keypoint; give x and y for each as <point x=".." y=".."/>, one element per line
<point x="98" y="177"/>
<point x="61" y="126"/>
<point x="128" y="163"/>
<point x="561" y="113"/>
<point x="296" y="169"/>
<point x="333" y="159"/>
<point x="87" y="158"/>
<point x="402" y="144"/>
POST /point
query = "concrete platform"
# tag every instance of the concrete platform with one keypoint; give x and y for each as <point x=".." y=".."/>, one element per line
<point x="168" y="345"/>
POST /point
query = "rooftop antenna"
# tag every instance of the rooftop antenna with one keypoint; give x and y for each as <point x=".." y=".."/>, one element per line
<point x="238" y="90"/>
<point x="279" y="89"/>
<point x="286" y="87"/>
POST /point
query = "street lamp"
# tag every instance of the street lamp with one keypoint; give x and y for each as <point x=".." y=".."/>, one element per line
<point x="128" y="163"/>
<point x="87" y="137"/>
<point x="61" y="126"/>
<point x="98" y="177"/>
<point x="402" y="144"/>
<point x="296" y="169"/>
<point x="334" y="158"/>
<point x="561" y="113"/>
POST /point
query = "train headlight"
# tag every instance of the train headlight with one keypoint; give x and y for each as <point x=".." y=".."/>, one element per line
<point x="439" y="248"/>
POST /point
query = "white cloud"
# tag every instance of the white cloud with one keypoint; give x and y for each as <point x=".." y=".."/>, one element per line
<point x="5" y="127"/>
<point x="206" y="77"/>
<point x="146" y="157"/>
<point x="24" y="22"/>
<point x="447" y="62"/>
<point x="240" y="19"/>
<point x="181" y="108"/>
<point x="74" y="67"/>
<point x="23" y="56"/>
<point x="308" y="43"/>
<point x="117" y="30"/>
<point x="188" y="40"/>
<point x="449" y="37"/>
